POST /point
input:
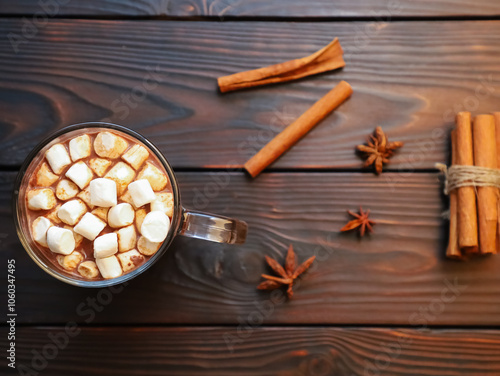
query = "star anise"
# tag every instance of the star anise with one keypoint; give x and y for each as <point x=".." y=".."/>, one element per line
<point x="287" y="275"/>
<point x="378" y="150"/>
<point x="362" y="222"/>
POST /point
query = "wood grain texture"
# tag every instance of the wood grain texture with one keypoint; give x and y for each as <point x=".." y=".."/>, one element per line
<point x="267" y="8"/>
<point x="266" y="351"/>
<point x="397" y="276"/>
<point x="408" y="77"/>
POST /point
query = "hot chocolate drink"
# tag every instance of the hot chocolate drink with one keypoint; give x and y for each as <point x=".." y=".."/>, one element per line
<point x="99" y="203"/>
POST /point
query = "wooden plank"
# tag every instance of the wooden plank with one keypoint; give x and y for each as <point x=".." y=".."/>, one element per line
<point x="264" y="351"/>
<point x="396" y="276"/>
<point x="257" y="8"/>
<point x="409" y="78"/>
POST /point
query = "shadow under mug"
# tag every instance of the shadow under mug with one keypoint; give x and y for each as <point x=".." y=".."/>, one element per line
<point x="184" y="222"/>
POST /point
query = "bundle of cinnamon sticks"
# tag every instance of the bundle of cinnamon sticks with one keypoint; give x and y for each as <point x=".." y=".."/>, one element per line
<point x="474" y="222"/>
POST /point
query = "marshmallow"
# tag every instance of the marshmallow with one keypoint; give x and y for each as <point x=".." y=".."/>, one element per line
<point x="122" y="174"/>
<point x="121" y="215"/>
<point x="155" y="226"/>
<point x="60" y="240"/>
<point x="99" y="166"/>
<point x="139" y="218"/>
<point x="108" y="145"/>
<point x="89" y="226"/>
<point x="66" y="189"/>
<point x="141" y="192"/>
<point x="153" y="174"/>
<point x="136" y="156"/>
<point x="70" y="261"/>
<point x="105" y="245"/>
<point x="71" y="211"/>
<point x="52" y="215"/>
<point x="146" y="247"/>
<point x="127" y="238"/>
<point x="41" y="199"/>
<point x="85" y="197"/>
<point x="103" y="192"/>
<point x="88" y="269"/>
<point x="39" y="229"/>
<point x="45" y="177"/>
<point x="78" y="237"/>
<point x="58" y="158"/>
<point x="130" y="259"/>
<point x="164" y="202"/>
<point x="81" y="174"/>
<point x="79" y="147"/>
<point x="101" y="213"/>
<point x="127" y="197"/>
<point x="109" y="267"/>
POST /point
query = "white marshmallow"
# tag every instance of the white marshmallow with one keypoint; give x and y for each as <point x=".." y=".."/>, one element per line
<point x="164" y="202"/>
<point x="71" y="211"/>
<point x="39" y="229"/>
<point x="78" y="237"/>
<point x="128" y="199"/>
<point x="141" y="192"/>
<point x="121" y="215"/>
<point x="52" y="215"/>
<point x="101" y="213"/>
<point x="80" y="173"/>
<point x="60" y="240"/>
<point x="127" y="238"/>
<point x="153" y="174"/>
<point x="45" y="177"/>
<point x="89" y="226"/>
<point x="130" y="259"/>
<point x="146" y="247"/>
<point x="58" y="158"/>
<point x="66" y="189"/>
<point x="155" y="226"/>
<point x="139" y="218"/>
<point x="85" y="197"/>
<point x="108" y="145"/>
<point x="122" y="174"/>
<point x="41" y="199"/>
<point x="109" y="267"/>
<point x="79" y="147"/>
<point x="105" y="245"/>
<point x="103" y="192"/>
<point x="88" y="269"/>
<point x="69" y="262"/>
<point x="136" y="156"/>
<point x="99" y="166"/>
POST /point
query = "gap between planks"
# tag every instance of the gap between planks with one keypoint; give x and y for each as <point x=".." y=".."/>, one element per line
<point x="306" y="19"/>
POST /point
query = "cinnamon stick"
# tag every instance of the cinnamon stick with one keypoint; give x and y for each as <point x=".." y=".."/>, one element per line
<point x="298" y="129"/>
<point x="496" y="115"/>
<point x="466" y="196"/>
<point x="326" y="59"/>
<point x="485" y="155"/>
<point x="453" y="251"/>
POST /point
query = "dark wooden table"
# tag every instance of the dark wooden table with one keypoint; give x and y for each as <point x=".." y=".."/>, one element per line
<point x="389" y="304"/>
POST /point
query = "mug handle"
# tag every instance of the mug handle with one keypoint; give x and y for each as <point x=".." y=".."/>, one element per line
<point x="212" y="227"/>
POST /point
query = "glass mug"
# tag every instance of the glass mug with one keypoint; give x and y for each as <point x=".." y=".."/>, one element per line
<point x="184" y="222"/>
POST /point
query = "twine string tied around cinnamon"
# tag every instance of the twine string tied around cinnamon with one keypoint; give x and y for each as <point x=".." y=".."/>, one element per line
<point x="457" y="176"/>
